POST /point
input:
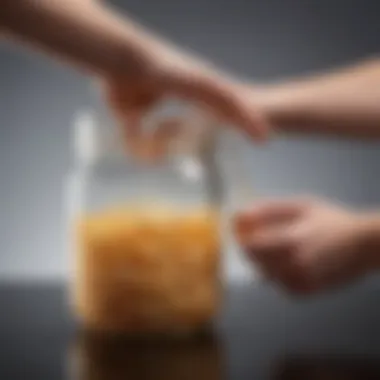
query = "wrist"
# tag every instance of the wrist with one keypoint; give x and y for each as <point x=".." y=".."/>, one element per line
<point x="294" y="107"/>
<point x="281" y="104"/>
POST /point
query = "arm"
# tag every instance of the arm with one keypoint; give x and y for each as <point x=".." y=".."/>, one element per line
<point x="342" y="103"/>
<point x="83" y="32"/>
<point x="137" y="68"/>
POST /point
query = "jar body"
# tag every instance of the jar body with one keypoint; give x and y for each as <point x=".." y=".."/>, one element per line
<point x="146" y="247"/>
<point x="97" y="357"/>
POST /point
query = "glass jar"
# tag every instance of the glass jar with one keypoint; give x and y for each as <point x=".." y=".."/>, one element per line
<point x="146" y="243"/>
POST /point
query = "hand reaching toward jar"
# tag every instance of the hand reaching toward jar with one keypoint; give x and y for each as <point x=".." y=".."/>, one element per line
<point x="307" y="246"/>
<point x="136" y="68"/>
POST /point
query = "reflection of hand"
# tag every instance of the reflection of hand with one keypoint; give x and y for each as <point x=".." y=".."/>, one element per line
<point x="307" y="246"/>
<point x="174" y="74"/>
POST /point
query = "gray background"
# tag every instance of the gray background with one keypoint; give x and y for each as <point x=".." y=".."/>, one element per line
<point x="260" y="39"/>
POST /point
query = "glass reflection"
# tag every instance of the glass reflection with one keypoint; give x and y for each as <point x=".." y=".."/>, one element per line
<point x="100" y="358"/>
<point x="328" y="368"/>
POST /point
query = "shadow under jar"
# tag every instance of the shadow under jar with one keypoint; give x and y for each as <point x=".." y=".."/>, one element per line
<point x="145" y="236"/>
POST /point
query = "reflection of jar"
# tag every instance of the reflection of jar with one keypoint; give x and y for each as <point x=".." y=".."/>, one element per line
<point x="326" y="367"/>
<point x="99" y="358"/>
<point x="147" y="245"/>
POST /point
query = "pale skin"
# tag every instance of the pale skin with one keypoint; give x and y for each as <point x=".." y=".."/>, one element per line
<point x="308" y="246"/>
<point x="340" y="103"/>
<point x="303" y="245"/>
<point x="134" y="67"/>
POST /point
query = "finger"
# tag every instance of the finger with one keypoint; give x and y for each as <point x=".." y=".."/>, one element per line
<point x="154" y="144"/>
<point x="271" y="241"/>
<point x="277" y="264"/>
<point x="131" y="126"/>
<point x="281" y="255"/>
<point x="273" y="211"/>
<point x="136" y="143"/>
<point x="130" y="102"/>
<point x="169" y="128"/>
<point x="278" y="259"/>
<point x="226" y="100"/>
<point x="243" y="228"/>
<point x="165" y="134"/>
<point x="295" y="282"/>
<point x="131" y="114"/>
<point x="229" y="102"/>
<point x="264" y="216"/>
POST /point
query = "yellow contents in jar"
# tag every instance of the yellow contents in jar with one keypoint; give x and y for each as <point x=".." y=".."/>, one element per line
<point x="148" y="269"/>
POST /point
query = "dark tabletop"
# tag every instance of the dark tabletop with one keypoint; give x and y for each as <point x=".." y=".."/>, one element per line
<point x="261" y="335"/>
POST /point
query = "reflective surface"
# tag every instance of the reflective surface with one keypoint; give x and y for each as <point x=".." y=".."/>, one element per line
<point x="260" y="335"/>
<point x="97" y="358"/>
<point x="322" y="368"/>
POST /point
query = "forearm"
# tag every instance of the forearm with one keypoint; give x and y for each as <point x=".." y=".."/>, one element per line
<point x="342" y="103"/>
<point x="83" y="32"/>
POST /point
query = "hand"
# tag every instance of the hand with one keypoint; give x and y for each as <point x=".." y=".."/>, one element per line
<point x="175" y="74"/>
<point x="306" y="246"/>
